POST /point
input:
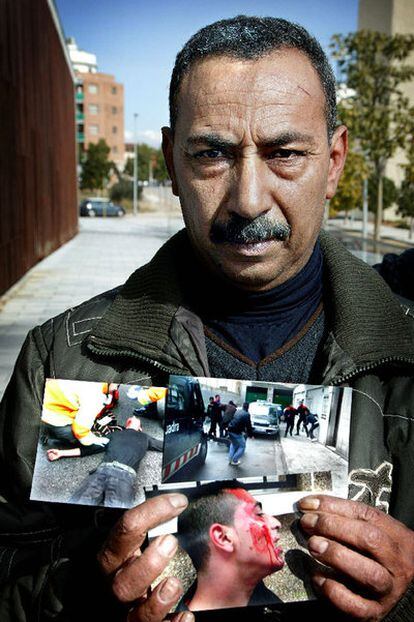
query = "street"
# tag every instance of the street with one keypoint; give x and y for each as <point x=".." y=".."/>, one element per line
<point x="270" y="457"/>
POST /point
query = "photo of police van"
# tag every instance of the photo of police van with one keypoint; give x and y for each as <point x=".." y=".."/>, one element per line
<point x="185" y="442"/>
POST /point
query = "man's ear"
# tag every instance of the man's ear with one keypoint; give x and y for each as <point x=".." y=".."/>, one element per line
<point x="337" y="157"/>
<point x="167" y="149"/>
<point x="222" y="537"/>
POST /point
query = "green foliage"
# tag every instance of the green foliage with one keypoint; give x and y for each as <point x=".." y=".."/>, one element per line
<point x="148" y="156"/>
<point x="406" y="196"/>
<point x="350" y="188"/>
<point x="123" y="189"/>
<point x="390" y="193"/>
<point x="373" y="65"/>
<point x="96" y="167"/>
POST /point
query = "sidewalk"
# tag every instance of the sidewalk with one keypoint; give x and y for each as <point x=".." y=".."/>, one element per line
<point x="388" y="234"/>
<point x="101" y="256"/>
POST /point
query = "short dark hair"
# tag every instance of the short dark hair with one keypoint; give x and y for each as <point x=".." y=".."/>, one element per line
<point x="250" y="38"/>
<point x="208" y="504"/>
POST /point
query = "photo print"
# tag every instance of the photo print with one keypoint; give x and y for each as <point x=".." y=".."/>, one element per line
<point x="219" y="429"/>
<point x="99" y="443"/>
<point x="239" y="542"/>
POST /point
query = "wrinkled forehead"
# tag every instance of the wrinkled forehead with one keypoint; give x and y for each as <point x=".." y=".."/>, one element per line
<point x="283" y="81"/>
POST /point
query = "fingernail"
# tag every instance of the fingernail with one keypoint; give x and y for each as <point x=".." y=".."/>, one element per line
<point x="309" y="503"/>
<point x="318" y="545"/>
<point x="309" y="520"/>
<point x="178" y="501"/>
<point x="319" y="580"/>
<point x="187" y="617"/>
<point x="170" y="590"/>
<point x="167" y="545"/>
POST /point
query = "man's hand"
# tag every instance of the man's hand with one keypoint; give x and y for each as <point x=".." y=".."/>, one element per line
<point x="133" y="572"/>
<point x="53" y="454"/>
<point x="372" y="553"/>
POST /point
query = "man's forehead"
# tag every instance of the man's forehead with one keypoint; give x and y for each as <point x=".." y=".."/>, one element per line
<point x="285" y="71"/>
<point x="242" y="495"/>
<point x="225" y="94"/>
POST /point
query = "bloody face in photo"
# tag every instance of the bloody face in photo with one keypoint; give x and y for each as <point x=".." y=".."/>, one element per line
<point x="258" y="534"/>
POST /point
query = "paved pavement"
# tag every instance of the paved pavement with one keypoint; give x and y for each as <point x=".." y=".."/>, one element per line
<point x="103" y="255"/>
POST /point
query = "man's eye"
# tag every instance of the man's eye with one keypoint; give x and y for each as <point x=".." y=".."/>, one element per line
<point x="209" y="153"/>
<point x="285" y="154"/>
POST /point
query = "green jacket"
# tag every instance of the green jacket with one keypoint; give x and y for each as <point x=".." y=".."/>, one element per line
<point x="141" y="333"/>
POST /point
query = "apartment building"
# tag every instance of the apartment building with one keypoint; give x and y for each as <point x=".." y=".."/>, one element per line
<point x="99" y="105"/>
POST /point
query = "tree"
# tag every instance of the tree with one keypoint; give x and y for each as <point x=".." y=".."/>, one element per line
<point x="350" y="188"/>
<point x="96" y="166"/>
<point x="405" y="199"/>
<point x="389" y="194"/>
<point x="372" y="66"/>
<point x="148" y="158"/>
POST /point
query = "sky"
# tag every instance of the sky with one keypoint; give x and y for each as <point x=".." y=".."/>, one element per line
<point x="137" y="41"/>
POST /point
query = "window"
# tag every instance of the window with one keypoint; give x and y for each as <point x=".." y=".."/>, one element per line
<point x="93" y="89"/>
<point x="93" y="108"/>
<point x="114" y="129"/>
<point x="94" y="129"/>
<point x="114" y="149"/>
<point x="113" y="90"/>
<point x="114" y="109"/>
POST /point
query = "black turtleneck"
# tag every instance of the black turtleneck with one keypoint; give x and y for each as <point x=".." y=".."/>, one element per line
<point x="257" y="324"/>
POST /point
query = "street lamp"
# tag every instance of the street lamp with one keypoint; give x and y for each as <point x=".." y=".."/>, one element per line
<point x="135" y="189"/>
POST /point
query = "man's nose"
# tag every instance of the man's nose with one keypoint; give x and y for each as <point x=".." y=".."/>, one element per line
<point x="250" y="195"/>
<point x="276" y="524"/>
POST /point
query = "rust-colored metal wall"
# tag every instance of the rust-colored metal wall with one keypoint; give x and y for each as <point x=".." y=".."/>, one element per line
<point x="38" y="200"/>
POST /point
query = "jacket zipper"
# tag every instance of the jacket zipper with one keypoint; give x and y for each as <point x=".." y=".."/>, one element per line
<point x="132" y="354"/>
<point x="370" y="366"/>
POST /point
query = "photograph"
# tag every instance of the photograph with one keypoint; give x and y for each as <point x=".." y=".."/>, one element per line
<point x="99" y="443"/>
<point x="239" y="542"/>
<point x="223" y="429"/>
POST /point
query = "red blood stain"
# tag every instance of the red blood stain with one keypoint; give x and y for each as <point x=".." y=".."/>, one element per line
<point x="259" y="530"/>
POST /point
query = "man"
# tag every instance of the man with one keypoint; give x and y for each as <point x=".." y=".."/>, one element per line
<point x="112" y="484"/>
<point x="312" y="420"/>
<point x="303" y="412"/>
<point x="238" y="427"/>
<point x="70" y="410"/>
<point x="215" y="414"/>
<point x="254" y="152"/>
<point x="233" y="545"/>
<point x="290" y="413"/>
<point x="228" y="415"/>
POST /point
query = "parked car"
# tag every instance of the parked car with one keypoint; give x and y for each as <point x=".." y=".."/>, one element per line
<point x="185" y="442"/>
<point x="97" y="206"/>
<point x="265" y="418"/>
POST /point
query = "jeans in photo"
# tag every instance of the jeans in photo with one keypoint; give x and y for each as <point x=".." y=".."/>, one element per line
<point x="237" y="446"/>
<point x="108" y="485"/>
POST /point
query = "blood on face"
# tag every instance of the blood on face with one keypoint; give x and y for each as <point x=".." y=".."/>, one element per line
<point x="257" y="524"/>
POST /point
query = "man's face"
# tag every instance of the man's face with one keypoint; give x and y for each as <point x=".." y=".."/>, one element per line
<point x="257" y="536"/>
<point x="251" y="163"/>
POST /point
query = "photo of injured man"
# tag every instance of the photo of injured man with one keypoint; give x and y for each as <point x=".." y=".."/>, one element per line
<point x="99" y="443"/>
<point x="239" y="543"/>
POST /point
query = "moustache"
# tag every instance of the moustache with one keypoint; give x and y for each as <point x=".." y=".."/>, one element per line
<point x="240" y="230"/>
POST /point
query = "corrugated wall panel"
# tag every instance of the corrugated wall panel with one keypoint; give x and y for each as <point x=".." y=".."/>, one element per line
<point x="38" y="199"/>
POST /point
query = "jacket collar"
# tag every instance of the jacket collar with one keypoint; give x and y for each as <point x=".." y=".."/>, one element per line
<point x="367" y="323"/>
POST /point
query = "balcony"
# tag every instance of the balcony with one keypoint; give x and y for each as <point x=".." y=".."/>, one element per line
<point x="80" y="137"/>
<point x="80" y="117"/>
<point x="79" y="97"/>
